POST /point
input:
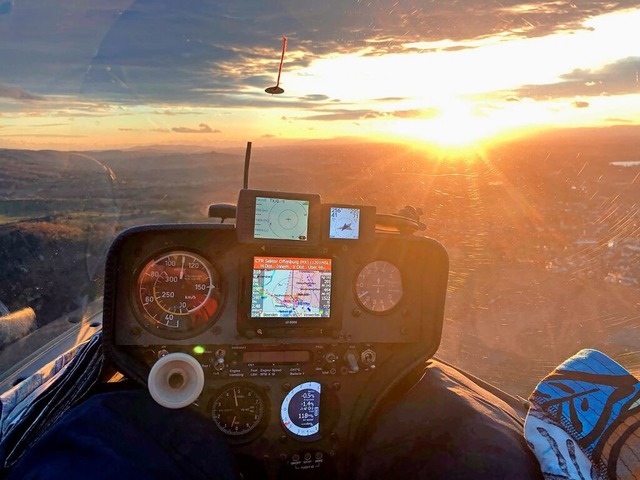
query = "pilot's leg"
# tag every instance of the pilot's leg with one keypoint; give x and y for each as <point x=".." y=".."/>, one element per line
<point x="444" y="426"/>
<point x="125" y="434"/>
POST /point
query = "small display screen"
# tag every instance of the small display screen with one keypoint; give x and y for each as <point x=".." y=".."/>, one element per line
<point x="291" y="287"/>
<point x="281" y="219"/>
<point x="293" y="356"/>
<point x="300" y="410"/>
<point x="344" y="223"/>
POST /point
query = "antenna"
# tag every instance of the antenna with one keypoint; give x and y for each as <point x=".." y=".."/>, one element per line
<point x="247" y="159"/>
<point x="276" y="89"/>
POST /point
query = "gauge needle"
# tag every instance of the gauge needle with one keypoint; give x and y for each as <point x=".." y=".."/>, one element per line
<point x="182" y="268"/>
<point x="233" y="422"/>
<point x="235" y="398"/>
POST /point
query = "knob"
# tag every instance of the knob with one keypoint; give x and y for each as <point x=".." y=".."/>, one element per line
<point x="330" y="357"/>
<point x="352" y="361"/>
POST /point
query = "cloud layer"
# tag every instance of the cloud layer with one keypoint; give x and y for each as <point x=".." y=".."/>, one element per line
<point x="618" y="78"/>
<point x="222" y="53"/>
<point x="202" y="128"/>
<point x="17" y="93"/>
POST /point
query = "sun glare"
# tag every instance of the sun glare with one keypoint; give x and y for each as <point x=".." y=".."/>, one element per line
<point x="456" y="126"/>
<point x="475" y="90"/>
<point x="451" y="93"/>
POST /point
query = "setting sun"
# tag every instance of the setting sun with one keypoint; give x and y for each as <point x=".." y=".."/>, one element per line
<point x="456" y="126"/>
<point x="453" y="91"/>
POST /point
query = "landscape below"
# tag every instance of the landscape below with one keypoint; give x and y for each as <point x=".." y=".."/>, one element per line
<point x="543" y="232"/>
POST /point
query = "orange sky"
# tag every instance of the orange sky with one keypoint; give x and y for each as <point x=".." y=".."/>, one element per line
<point x="448" y="92"/>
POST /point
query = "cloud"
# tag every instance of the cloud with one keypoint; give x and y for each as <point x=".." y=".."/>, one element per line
<point x="202" y="128"/>
<point x="259" y="81"/>
<point x="618" y="120"/>
<point x="344" y="114"/>
<point x="617" y="78"/>
<point x="60" y="107"/>
<point x="268" y="135"/>
<point x="16" y="93"/>
<point x="580" y="104"/>
<point x="161" y="130"/>
<point x="219" y="53"/>
<point x="534" y="18"/>
<point x="416" y="113"/>
<point x="315" y="98"/>
<point x="176" y="112"/>
<point x="390" y="99"/>
<point x="620" y="77"/>
<point x="129" y="129"/>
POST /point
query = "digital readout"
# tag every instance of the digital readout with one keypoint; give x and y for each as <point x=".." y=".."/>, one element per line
<point x="285" y="287"/>
<point x="281" y="219"/>
<point x="300" y="411"/>
<point x="295" y="356"/>
<point x="344" y="223"/>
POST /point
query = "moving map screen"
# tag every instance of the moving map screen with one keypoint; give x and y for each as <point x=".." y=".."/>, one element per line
<point x="291" y="287"/>
<point x="281" y="219"/>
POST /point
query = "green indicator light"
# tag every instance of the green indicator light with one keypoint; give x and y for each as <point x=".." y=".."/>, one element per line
<point x="198" y="349"/>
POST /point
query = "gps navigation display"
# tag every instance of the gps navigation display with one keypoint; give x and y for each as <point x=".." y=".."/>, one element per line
<point x="344" y="223"/>
<point x="291" y="287"/>
<point x="281" y="219"/>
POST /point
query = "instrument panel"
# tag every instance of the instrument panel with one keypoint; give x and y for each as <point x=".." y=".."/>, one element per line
<point x="293" y="341"/>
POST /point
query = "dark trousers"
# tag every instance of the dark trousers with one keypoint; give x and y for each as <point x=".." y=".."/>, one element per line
<point x="439" y="425"/>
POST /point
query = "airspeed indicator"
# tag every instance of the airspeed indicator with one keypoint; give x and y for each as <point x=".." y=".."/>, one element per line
<point x="178" y="292"/>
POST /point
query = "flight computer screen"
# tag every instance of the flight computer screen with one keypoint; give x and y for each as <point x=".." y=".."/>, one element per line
<point x="344" y="223"/>
<point x="291" y="287"/>
<point x="281" y="219"/>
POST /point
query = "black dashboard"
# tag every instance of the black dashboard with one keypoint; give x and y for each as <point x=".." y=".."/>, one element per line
<point x="285" y="330"/>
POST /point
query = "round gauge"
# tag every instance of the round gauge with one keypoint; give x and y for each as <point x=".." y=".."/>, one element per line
<point x="379" y="286"/>
<point x="178" y="293"/>
<point x="300" y="411"/>
<point x="238" y="409"/>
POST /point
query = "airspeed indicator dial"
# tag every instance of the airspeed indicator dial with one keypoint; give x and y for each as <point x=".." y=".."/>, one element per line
<point x="178" y="292"/>
<point x="378" y="287"/>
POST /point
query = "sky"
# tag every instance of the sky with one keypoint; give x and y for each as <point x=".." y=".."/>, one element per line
<point x="89" y="74"/>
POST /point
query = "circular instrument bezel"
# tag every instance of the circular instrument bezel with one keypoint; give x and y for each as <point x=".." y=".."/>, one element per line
<point x="357" y="293"/>
<point x="303" y="434"/>
<point x="260" y="424"/>
<point x="215" y="299"/>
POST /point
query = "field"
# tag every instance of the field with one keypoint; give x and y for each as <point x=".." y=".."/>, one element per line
<point x="543" y="233"/>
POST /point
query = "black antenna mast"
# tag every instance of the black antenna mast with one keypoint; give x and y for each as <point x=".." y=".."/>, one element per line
<point x="247" y="159"/>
